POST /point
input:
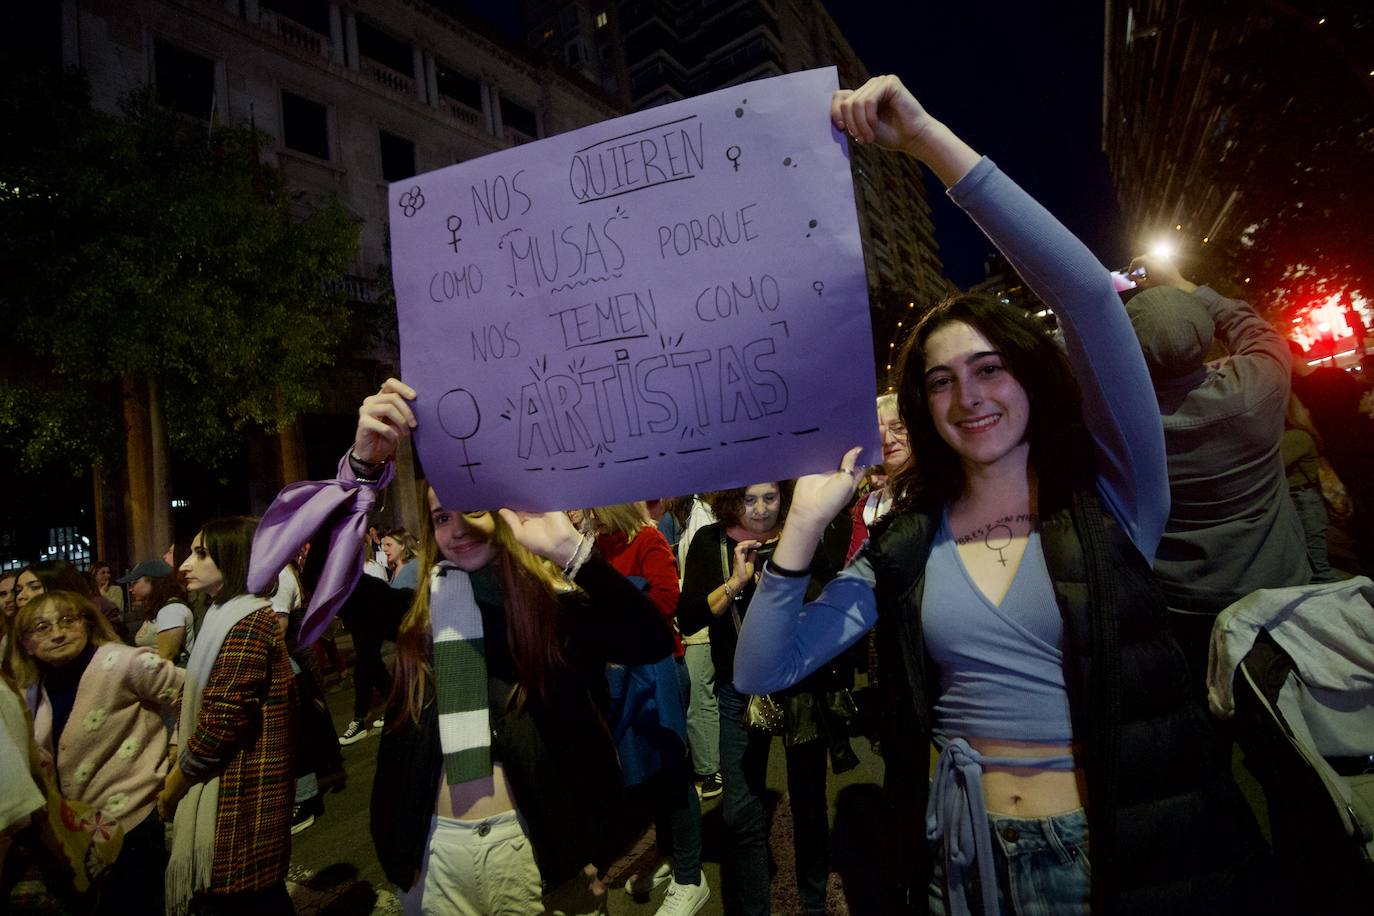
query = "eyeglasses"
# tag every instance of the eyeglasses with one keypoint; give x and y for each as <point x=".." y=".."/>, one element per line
<point x="44" y="627"/>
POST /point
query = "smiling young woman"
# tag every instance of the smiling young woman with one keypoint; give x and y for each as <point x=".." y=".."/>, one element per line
<point x="1013" y="599"/>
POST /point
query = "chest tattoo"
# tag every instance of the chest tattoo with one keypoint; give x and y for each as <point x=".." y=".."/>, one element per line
<point x="998" y="535"/>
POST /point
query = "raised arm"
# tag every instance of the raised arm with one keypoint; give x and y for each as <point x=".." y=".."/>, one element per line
<point x="1260" y="359"/>
<point x="1118" y="400"/>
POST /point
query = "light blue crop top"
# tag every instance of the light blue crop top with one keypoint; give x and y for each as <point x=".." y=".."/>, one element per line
<point x="1001" y="667"/>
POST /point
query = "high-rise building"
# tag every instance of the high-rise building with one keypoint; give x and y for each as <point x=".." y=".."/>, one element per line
<point x="658" y="51"/>
<point x="1239" y="133"/>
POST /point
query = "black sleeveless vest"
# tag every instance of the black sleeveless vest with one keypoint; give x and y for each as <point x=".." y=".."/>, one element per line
<point x="1152" y="760"/>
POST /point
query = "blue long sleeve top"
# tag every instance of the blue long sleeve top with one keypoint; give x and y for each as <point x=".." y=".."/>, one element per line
<point x="782" y="641"/>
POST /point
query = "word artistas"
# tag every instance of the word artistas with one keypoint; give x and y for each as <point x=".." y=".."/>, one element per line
<point x="654" y="394"/>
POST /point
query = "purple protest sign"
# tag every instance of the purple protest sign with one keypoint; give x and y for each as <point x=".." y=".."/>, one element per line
<point x="669" y="302"/>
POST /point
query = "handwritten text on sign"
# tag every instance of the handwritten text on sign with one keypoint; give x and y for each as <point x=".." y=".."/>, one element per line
<point x="665" y="303"/>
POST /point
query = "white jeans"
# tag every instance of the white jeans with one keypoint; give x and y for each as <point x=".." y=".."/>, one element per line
<point x="487" y="868"/>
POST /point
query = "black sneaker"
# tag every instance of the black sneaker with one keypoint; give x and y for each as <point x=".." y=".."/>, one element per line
<point x="356" y="731"/>
<point x="711" y="786"/>
<point x="303" y="814"/>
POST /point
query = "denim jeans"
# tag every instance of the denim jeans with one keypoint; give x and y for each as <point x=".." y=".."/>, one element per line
<point x="1312" y="513"/>
<point x="1042" y="867"/>
<point x="677" y="807"/>
<point x="744" y="770"/>
<point x="703" y="725"/>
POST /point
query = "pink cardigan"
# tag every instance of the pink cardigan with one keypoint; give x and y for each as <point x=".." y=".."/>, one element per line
<point x="113" y="752"/>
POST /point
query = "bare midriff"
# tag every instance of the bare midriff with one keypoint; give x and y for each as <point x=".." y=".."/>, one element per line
<point x="476" y="798"/>
<point x="1027" y="791"/>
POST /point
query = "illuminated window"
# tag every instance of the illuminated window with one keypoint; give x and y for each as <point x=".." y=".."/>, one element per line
<point x="600" y="20"/>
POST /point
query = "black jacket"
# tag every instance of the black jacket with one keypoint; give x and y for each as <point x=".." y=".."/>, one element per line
<point x="558" y="756"/>
<point x="702" y="574"/>
<point x="1169" y="830"/>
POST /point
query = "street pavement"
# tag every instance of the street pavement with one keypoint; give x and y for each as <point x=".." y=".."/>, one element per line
<point x="334" y="870"/>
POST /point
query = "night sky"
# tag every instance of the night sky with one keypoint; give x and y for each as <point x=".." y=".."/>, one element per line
<point x="1021" y="82"/>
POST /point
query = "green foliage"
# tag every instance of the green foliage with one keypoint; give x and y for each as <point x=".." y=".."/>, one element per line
<point x="150" y="247"/>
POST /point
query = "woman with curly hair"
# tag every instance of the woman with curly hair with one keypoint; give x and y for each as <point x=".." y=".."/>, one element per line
<point x="718" y="580"/>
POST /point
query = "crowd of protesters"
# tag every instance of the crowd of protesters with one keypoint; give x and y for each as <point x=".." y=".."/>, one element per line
<point x="1040" y="551"/>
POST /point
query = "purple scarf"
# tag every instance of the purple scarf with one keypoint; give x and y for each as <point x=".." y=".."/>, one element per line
<point x="295" y="517"/>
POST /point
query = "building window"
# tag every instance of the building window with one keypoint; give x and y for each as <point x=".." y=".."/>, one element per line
<point x="518" y="117"/>
<point x="398" y="157"/>
<point x="458" y="86"/>
<point x="601" y="20"/>
<point x="377" y="45"/>
<point x="305" y="125"/>
<point x="575" y="53"/>
<point x="185" y="81"/>
<point x="313" y="14"/>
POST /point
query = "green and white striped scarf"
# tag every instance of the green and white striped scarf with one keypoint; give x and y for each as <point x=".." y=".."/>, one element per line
<point x="460" y="674"/>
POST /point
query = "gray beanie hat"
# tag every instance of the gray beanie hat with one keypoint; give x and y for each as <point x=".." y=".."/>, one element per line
<point x="1174" y="330"/>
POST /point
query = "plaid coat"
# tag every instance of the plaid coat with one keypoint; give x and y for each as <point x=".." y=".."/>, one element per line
<point x="247" y="721"/>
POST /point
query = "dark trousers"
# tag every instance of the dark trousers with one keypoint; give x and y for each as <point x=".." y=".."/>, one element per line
<point x="134" y="883"/>
<point x="369" y="673"/>
<point x="744" y="770"/>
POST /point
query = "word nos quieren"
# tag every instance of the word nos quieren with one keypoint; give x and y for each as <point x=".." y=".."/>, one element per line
<point x="647" y="397"/>
<point x="638" y="160"/>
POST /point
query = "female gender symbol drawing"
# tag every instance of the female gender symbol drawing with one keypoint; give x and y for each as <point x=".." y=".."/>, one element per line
<point x="460" y="418"/>
<point x="1003" y="535"/>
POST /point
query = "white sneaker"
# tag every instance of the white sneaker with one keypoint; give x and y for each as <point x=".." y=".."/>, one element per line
<point x="641" y="885"/>
<point x="379" y="723"/>
<point x="684" y="899"/>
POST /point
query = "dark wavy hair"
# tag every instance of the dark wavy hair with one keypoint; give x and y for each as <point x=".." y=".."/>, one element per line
<point x="1061" y="450"/>
<point x="728" y="505"/>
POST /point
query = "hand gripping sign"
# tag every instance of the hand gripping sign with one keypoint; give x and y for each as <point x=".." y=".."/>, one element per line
<point x="669" y="302"/>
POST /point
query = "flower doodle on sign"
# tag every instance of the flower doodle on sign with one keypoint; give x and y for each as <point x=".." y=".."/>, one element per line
<point x="411" y="201"/>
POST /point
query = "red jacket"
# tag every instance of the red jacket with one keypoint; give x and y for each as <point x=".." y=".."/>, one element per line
<point x="650" y="558"/>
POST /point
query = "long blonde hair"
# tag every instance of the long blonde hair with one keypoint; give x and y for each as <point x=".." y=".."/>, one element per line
<point x="621" y="518"/>
<point x="530" y="588"/>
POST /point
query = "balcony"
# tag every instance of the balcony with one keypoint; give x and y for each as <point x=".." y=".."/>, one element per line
<point x="388" y="78"/>
<point x="460" y="112"/>
<point x="295" y="34"/>
<point x="515" y="137"/>
<point x="355" y="288"/>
